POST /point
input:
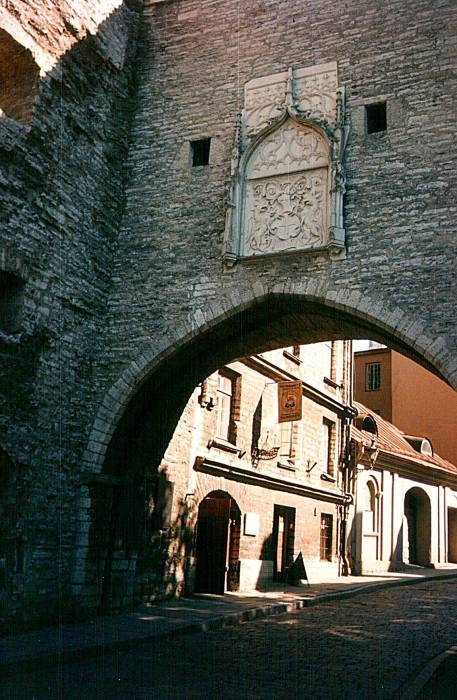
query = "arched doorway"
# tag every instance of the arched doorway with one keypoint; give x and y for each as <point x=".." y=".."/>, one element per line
<point x="418" y="524"/>
<point x="218" y="544"/>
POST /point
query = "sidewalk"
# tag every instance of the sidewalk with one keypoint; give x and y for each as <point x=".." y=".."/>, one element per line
<point x="202" y="612"/>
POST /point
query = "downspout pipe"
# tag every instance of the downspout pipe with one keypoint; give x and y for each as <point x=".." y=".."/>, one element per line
<point x="350" y="415"/>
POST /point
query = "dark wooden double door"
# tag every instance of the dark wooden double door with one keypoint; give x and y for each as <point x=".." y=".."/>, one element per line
<point x="218" y="544"/>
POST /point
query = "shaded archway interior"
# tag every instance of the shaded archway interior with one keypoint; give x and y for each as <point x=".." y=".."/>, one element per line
<point x="418" y="524"/>
<point x="147" y="425"/>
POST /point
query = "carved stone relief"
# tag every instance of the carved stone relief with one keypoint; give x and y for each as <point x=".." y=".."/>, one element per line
<point x="314" y="91"/>
<point x="288" y="176"/>
<point x="262" y="104"/>
<point x="286" y="212"/>
<point x="291" y="147"/>
<point x="286" y="191"/>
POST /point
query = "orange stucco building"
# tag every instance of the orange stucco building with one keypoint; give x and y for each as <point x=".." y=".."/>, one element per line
<point x="408" y="396"/>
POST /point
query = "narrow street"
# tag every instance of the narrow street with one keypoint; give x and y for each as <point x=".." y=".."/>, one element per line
<point x="366" y="647"/>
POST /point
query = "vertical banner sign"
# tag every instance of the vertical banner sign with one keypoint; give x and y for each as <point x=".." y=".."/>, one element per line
<point x="289" y="401"/>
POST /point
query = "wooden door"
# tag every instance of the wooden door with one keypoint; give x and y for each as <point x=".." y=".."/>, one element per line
<point x="283" y="540"/>
<point x="233" y="554"/>
<point x="326" y="536"/>
<point x="212" y="543"/>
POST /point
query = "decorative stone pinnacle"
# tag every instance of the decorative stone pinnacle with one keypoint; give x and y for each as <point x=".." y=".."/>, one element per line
<point x="290" y="101"/>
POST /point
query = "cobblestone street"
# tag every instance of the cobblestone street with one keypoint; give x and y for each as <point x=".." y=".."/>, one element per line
<point x="371" y="646"/>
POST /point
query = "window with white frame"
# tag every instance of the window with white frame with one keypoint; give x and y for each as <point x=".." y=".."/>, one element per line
<point x="286" y="436"/>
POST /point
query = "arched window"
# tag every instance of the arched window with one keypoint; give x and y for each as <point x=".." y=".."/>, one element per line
<point x="19" y="77"/>
<point x="369" y="425"/>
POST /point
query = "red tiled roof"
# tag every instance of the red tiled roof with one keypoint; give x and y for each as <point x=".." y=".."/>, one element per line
<point x="391" y="440"/>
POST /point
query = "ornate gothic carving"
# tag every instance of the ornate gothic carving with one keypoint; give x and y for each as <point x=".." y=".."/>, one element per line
<point x="288" y="177"/>
<point x="291" y="147"/>
<point x="285" y="213"/>
<point x="261" y="105"/>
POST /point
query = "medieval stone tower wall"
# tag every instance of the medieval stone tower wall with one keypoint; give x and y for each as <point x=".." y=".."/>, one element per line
<point x="396" y="276"/>
<point x="92" y="313"/>
<point x="63" y="140"/>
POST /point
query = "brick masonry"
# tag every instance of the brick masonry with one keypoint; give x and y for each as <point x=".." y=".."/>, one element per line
<point x="116" y="300"/>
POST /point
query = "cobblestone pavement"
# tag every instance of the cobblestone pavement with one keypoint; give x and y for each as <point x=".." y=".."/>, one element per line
<point x="367" y="647"/>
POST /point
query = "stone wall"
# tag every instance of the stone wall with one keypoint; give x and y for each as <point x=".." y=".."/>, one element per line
<point x="399" y="208"/>
<point x="172" y="295"/>
<point x="61" y="188"/>
<point x="104" y="316"/>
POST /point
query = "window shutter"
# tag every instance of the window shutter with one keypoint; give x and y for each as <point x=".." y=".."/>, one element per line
<point x="236" y="410"/>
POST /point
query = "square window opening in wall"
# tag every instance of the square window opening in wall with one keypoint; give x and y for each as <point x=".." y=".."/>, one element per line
<point x="199" y="152"/>
<point x="376" y="118"/>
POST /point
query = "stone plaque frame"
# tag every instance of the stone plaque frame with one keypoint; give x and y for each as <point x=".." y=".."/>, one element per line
<point x="287" y="176"/>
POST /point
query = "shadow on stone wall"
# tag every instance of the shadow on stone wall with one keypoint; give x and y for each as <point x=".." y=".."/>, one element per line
<point x="62" y="175"/>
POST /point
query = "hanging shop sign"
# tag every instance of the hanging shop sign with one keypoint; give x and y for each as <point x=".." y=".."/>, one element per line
<point x="289" y="401"/>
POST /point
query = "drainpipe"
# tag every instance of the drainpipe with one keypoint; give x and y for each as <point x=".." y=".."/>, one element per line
<point x="345" y="450"/>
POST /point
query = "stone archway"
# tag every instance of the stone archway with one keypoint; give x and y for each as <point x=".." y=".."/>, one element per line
<point x="218" y="543"/>
<point x="418" y="526"/>
<point x="238" y="327"/>
<point x="153" y="390"/>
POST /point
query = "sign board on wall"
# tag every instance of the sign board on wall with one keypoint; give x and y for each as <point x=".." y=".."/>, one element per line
<point x="251" y="524"/>
<point x="289" y="401"/>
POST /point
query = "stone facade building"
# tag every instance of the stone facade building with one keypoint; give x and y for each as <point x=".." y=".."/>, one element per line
<point x="238" y="496"/>
<point x="141" y="147"/>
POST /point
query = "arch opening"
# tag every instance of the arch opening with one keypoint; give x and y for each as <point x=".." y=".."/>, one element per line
<point x="417" y="511"/>
<point x="139" y="442"/>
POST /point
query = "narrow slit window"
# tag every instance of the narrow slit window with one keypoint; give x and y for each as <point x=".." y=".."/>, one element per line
<point x="376" y="118"/>
<point x="199" y="152"/>
<point x="11" y="299"/>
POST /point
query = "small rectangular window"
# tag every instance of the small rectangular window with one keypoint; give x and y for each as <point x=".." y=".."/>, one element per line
<point x="376" y="118"/>
<point x="372" y="376"/>
<point x="199" y="152"/>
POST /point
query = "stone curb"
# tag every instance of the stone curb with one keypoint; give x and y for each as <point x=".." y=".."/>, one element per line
<point x="33" y="663"/>
<point x="421" y="676"/>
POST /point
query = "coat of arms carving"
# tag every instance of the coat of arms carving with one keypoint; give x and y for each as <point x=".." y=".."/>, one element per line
<point x="287" y="170"/>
